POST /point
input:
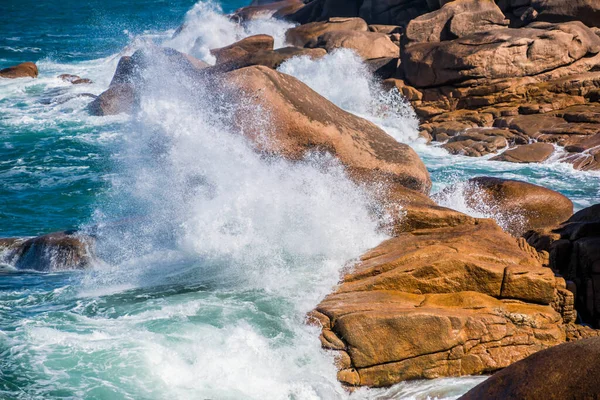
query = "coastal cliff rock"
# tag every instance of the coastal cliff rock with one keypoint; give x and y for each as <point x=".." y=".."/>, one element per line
<point x="301" y="120"/>
<point x="368" y="45"/>
<point x="562" y="372"/>
<point x="51" y="252"/>
<point x="304" y="34"/>
<point x="23" y="70"/>
<point x="574" y="248"/>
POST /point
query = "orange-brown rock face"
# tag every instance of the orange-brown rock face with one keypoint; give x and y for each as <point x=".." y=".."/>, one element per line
<point x="451" y="301"/>
<point x="24" y="70"/>
<point x="300" y="120"/>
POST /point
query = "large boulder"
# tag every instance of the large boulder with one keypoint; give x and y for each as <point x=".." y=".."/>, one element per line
<point x="300" y="120"/>
<point x="368" y="45"/>
<point x="520" y="206"/>
<point x="568" y="371"/>
<point x="23" y="70"/>
<point x="456" y="19"/>
<point x="304" y="34"/>
<point x="246" y="46"/>
<point x="574" y="249"/>
<point x="267" y="9"/>
<point x="523" y="11"/>
<point x="449" y="301"/>
<point x="529" y="153"/>
<point x="499" y="53"/>
<point x="121" y="95"/>
<point x="51" y="252"/>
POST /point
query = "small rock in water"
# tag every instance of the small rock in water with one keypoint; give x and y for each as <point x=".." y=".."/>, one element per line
<point x="74" y="79"/>
<point x="23" y="70"/>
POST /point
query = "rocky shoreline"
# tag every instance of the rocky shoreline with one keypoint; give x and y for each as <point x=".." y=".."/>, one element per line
<point x="448" y="294"/>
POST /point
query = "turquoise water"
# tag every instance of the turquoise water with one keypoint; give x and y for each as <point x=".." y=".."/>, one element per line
<point x="210" y="255"/>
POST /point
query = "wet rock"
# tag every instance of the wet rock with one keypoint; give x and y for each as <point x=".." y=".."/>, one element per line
<point x="268" y="58"/>
<point x="23" y="70"/>
<point x="562" y="372"/>
<point x="121" y="95"/>
<point x="276" y="9"/>
<point x="383" y="68"/>
<point x="529" y="153"/>
<point x="52" y="252"/>
<point x="301" y="121"/>
<point x="74" y="79"/>
<point x="523" y="206"/>
<point x="368" y="45"/>
<point x="584" y="154"/>
<point x="304" y="34"/>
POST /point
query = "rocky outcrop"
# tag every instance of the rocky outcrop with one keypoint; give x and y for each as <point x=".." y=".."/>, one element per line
<point x="304" y="34"/>
<point x="440" y="302"/>
<point x="574" y="249"/>
<point x="520" y="206"/>
<point x="301" y="120"/>
<point x="248" y="45"/>
<point x="529" y="51"/>
<point x="277" y="9"/>
<point x="568" y="371"/>
<point x="368" y="45"/>
<point x="23" y="70"/>
<point x="52" y="252"/>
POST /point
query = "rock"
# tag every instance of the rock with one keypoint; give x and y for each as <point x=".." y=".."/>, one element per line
<point x="530" y="51"/>
<point x="271" y="59"/>
<point x="520" y="205"/>
<point x="562" y="372"/>
<point x="456" y="19"/>
<point x="23" y="70"/>
<point x="468" y="257"/>
<point x="384" y="67"/>
<point x="301" y="120"/>
<point x="52" y="252"/>
<point x="585" y="154"/>
<point x="529" y="153"/>
<point x="276" y="9"/>
<point x="382" y="12"/>
<point x="387" y="29"/>
<point x="574" y="248"/>
<point x="476" y="142"/>
<point x="586" y="11"/>
<point x="251" y="44"/>
<point x="368" y="45"/>
<point x="302" y="35"/>
<point x="121" y="95"/>
<point x="74" y="79"/>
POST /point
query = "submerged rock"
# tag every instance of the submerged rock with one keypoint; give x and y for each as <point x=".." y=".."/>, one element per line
<point x="51" y="252"/>
<point x="23" y="70"/>
<point x="74" y="79"/>
<point x="568" y="371"/>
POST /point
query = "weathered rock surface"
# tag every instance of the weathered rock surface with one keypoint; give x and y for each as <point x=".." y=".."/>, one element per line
<point x="529" y="153"/>
<point x="23" y="70"/>
<point x="268" y="58"/>
<point x="568" y="371"/>
<point x="574" y="249"/>
<point x="499" y="53"/>
<point x="74" y="79"/>
<point x="456" y="19"/>
<point x="522" y="206"/>
<point x="368" y="45"/>
<point x="251" y="44"/>
<point x="304" y="34"/>
<point x="301" y="120"/>
<point x="450" y="301"/>
<point x="52" y="252"/>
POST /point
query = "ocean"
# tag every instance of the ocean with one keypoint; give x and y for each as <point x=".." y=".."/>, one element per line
<point x="202" y="289"/>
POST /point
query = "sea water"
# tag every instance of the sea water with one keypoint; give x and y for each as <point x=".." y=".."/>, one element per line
<point x="210" y="255"/>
